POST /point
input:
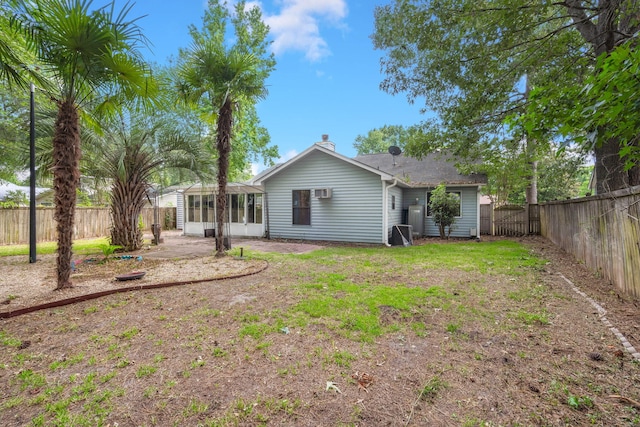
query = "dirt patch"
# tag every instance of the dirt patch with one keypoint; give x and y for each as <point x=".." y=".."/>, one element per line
<point x="175" y="245"/>
<point x="177" y="258"/>
<point x="494" y="348"/>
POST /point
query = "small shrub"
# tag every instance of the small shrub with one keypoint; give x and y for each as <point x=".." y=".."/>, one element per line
<point x="444" y="207"/>
<point x="108" y="250"/>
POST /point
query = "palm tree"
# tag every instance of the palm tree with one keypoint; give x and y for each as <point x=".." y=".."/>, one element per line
<point x="89" y="55"/>
<point x="10" y="51"/>
<point x="17" y="64"/>
<point x="129" y="154"/>
<point x="227" y="79"/>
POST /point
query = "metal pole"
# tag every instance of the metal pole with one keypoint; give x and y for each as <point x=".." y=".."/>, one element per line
<point x="32" y="180"/>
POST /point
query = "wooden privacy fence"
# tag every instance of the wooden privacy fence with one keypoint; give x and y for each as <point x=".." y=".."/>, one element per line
<point x="509" y="220"/>
<point x="603" y="231"/>
<point x="486" y="219"/>
<point x="90" y="222"/>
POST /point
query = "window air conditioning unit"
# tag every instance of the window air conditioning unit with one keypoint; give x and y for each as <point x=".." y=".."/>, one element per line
<point x="322" y="193"/>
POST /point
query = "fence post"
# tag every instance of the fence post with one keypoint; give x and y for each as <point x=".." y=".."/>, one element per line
<point x="493" y="218"/>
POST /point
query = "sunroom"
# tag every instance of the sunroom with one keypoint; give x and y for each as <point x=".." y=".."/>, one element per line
<point x="245" y="212"/>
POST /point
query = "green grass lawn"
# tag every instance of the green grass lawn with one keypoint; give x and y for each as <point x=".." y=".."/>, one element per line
<point x="83" y="246"/>
<point x="345" y="287"/>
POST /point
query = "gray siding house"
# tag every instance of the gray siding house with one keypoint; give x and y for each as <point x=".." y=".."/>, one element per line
<point x="323" y="195"/>
<point x="422" y="176"/>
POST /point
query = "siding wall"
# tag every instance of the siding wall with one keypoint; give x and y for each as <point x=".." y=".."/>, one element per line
<point x="353" y="213"/>
<point x="395" y="215"/>
<point x="468" y="220"/>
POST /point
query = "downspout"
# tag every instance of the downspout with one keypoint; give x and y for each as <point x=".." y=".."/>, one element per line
<point x="265" y="214"/>
<point x="385" y="210"/>
<point x="478" y="213"/>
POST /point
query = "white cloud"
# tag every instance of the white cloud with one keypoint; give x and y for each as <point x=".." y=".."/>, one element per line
<point x="287" y="156"/>
<point x="251" y="4"/>
<point x="297" y="26"/>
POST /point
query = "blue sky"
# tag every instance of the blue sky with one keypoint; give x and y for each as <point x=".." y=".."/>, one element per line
<point x="327" y="74"/>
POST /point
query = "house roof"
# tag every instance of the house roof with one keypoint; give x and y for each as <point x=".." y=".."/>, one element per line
<point x="6" y="187"/>
<point x="430" y="171"/>
<point x="260" y="178"/>
<point x="232" y="188"/>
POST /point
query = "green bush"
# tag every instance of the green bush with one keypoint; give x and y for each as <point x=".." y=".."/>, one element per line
<point x="444" y="208"/>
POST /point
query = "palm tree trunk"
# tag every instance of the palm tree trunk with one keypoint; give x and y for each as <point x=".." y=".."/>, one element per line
<point x="127" y="199"/>
<point x="223" y="145"/>
<point x="66" y="176"/>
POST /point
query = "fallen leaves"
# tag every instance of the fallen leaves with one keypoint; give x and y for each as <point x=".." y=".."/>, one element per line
<point x="363" y="379"/>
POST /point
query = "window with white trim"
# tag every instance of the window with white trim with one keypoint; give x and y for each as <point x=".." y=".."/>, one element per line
<point x="236" y="207"/>
<point x="301" y="205"/>
<point x="254" y="208"/>
<point x="208" y="208"/>
<point x="193" y="208"/>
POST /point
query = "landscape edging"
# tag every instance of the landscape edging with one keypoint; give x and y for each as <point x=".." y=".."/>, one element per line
<point x="86" y="297"/>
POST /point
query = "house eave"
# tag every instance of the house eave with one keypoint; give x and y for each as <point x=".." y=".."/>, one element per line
<point x="232" y="188"/>
<point x="448" y="184"/>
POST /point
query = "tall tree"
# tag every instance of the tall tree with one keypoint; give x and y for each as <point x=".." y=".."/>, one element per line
<point x="92" y="57"/>
<point x="469" y="60"/>
<point x="560" y="170"/>
<point x="230" y="80"/>
<point x="379" y="140"/>
<point x="605" y="108"/>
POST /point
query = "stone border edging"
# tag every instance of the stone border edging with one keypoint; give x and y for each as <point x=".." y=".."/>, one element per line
<point x="602" y="314"/>
<point x="86" y="297"/>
